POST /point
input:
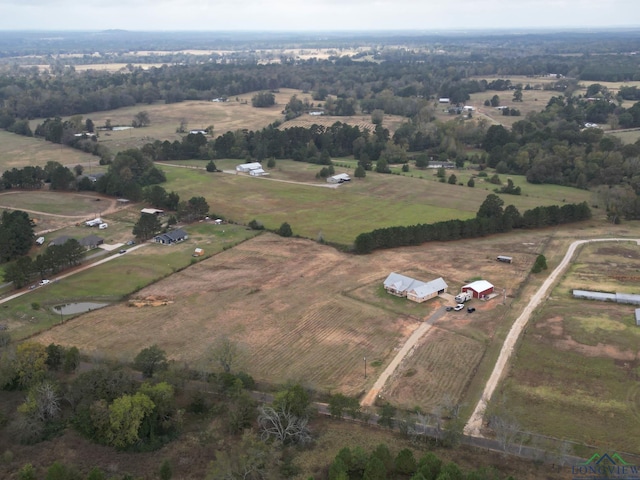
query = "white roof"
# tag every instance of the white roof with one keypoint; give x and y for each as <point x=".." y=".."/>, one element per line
<point x="434" y="286"/>
<point x="257" y="171"/>
<point x="400" y="283"/>
<point x="479" y="286"/>
<point x="151" y="211"/>
<point x="341" y="176"/>
<point x="249" y="166"/>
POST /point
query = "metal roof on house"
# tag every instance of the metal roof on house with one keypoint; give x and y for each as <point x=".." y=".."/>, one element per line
<point x="91" y="240"/>
<point x="60" y="240"/>
<point x="429" y="288"/>
<point x="249" y="166"/>
<point x="629" y="298"/>
<point x="173" y="236"/>
<point x="400" y="283"/>
<point x="605" y="297"/>
<point x="479" y="286"/>
<point x="638" y="317"/>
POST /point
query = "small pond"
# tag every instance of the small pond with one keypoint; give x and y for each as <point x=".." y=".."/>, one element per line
<point x="75" y="308"/>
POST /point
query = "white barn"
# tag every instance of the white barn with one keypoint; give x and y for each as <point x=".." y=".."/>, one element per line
<point x="247" y="167"/>
<point x="257" y="172"/>
<point x="339" y="178"/>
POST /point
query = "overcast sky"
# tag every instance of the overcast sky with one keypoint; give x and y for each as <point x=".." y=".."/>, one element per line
<point x="313" y="15"/>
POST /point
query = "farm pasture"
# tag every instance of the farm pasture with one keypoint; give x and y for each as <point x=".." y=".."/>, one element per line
<point x="17" y="151"/>
<point x="377" y="201"/>
<point x="627" y="136"/>
<point x="576" y="370"/>
<point x="283" y="301"/>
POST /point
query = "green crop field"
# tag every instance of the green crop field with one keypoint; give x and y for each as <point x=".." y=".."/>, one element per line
<point x="576" y="372"/>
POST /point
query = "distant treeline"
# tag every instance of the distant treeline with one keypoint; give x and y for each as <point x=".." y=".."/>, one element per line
<point x="491" y="218"/>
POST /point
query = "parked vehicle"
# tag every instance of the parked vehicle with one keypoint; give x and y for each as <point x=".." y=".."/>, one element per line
<point x="471" y="309"/>
<point x="102" y="226"/>
<point x="44" y="282"/>
<point x="122" y="251"/>
<point x="458" y="307"/>
<point x="448" y="309"/>
<point x="464" y="296"/>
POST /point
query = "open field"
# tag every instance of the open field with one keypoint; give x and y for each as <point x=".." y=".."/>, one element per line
<point x="350" y="209"/>
<point x="390" y="122"/>
<point x="627" y="136"/>
<point x="114" y="280"/>
<point x="444" y="362"/>
<point x="282" y="300"/>
<point x="17" y="151"/>
<point x="576" y="372"/>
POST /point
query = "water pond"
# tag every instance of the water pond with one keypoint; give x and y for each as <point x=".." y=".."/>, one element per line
<point x="75" y="308"/>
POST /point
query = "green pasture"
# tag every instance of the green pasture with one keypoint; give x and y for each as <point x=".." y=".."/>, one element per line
<point x="575" y="372"/>
<point x="114" y="280"/>
<point x="340" y="214"/>
<point x="55" y="203"/>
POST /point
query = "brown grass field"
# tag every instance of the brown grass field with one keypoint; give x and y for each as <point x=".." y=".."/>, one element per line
<point x="17" y="151"/>
<point x="576" y="372"/>
<point x="283" y="301"/>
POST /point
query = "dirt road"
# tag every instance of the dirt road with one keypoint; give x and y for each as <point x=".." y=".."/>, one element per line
<point x="370" y="398"/>
<point x="475" y="421"/>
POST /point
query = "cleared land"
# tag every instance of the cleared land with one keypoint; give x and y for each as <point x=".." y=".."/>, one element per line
<point x="339" y="215"/>
<point x="576" y="372"/>
<point x="17" y="151"/>
<point x="282" y="300"/>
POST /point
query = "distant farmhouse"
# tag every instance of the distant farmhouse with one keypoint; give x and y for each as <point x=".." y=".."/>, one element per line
<point x="169" y="238"/>
<point x="412" y="289"/>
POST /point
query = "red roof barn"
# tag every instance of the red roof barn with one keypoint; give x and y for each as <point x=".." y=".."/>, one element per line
<point x="480" y="288"/>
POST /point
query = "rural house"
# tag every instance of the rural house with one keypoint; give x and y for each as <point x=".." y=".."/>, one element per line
<point x="427" y="291"/>
<point x="152" y="211"/>
<point x="480" y="288"/>
<point x="247" y="167"/>
<point x="91" y="241"/>
<point x="174" y="236"/>
<point x="414" y="290"/>
<point x="59" y="241"/>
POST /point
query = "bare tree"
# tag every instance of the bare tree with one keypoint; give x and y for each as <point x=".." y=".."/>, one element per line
<point x="506" y="430"/>
<point x="282" y="425"/>
<point x="225" y="352"/>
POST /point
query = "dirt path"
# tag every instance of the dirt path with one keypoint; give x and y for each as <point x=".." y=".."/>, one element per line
<point x="112" y="208"/>
<point x="370" y="398"/>
<point x="474" y="424"/>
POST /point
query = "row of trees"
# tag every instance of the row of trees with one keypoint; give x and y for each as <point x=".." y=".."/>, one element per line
<point x="55" y="174"/>
<point x="16" y="234"/>
<point x="54" y="259"/>
<point x="491" y="218"/>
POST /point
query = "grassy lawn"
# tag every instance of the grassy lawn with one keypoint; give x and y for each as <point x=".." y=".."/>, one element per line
<point x="627" y="136"/>
<point x="339" y="215"/>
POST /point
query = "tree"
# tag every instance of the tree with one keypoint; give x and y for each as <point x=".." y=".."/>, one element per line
<point x="452" y="179"/>
<point x="195" y="209"/>
<point x="271" y="163"/>
<point x="491" y="207"/>
<point x="405" y="463"/>
<point x="78" y="169"/>
<point x="263" y="99"/>
<point x="374" y="470"/>
<point x="249" y="460"/>
<point x="386" y="415"/>
<point x="42" y="402"/>
<point x="294" y="399"/>
<point x="360" y="172"/>
<point x="30" y="363"/>
<point x="224" y="352"/>
<point x="166" y="473"/>
<point x="19" y="272"/>
<point x="540" y="264"/>
<point x="141" y="119"/>
<point x="126" y="414"/>
<point x="471" y="183"/>
<point x="495" y="101"/>
<point x="285" y="230"/>
<point x="283" y="425"/>
<point x="211" y="167"/>
<point x="517" y="95"/>
<point x="147" y="226"/>
<point x="377" y="116"/>
<point x="151" y="360"/>
<point x="382" y="166"/>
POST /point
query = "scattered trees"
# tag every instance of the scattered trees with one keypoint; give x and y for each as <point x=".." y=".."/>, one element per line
<point x="151" y="360"/>
<point x="147" y="226"/>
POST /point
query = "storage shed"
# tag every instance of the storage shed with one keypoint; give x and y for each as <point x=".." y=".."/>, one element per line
<point x="339" y="178"/>
<point x="247" y="167"/>
<point x="480" y="288"/>
<point x="504" y="259"/>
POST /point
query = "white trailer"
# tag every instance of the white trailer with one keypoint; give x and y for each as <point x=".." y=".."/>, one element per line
<point x="464" y="296"/>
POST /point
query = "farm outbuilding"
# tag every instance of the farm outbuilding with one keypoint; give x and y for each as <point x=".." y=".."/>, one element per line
<point x="152" y="211"/>
<point x="247" y="167"/>
<point x="426" y="291"/>
<point x="480" y="288"/>
<point x="628" y="298"/>
<point x="638" y="317"/>
<point x="175" y="236"/>
<point x="339" y="178"/>
<point x="504" y="259"/>
<point x="257" y="172"/>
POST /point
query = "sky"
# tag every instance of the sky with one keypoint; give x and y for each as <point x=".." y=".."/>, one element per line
<point x="316" y="15"/>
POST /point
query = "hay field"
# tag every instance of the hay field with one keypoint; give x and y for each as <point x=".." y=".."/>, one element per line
<point x="282" y="300"/>
<point x="577" y="369"/>
<point x="17" y="151"/>
<point x="390" y="122"/>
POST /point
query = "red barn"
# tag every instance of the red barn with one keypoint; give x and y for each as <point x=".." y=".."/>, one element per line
<point x="480" y="288"/>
